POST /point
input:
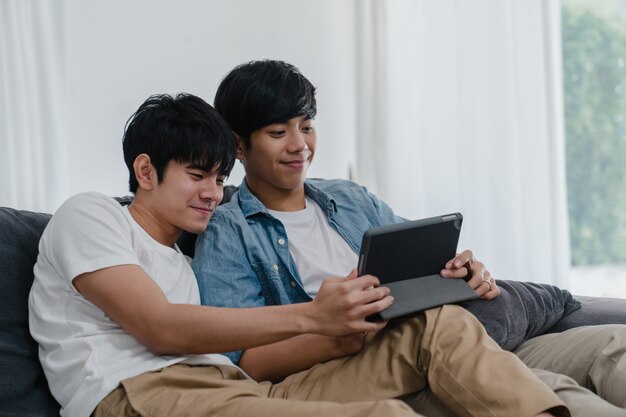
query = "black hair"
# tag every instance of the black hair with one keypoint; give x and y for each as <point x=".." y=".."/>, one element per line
<point x="260" y="93"/>
<point x="183" y="128"/>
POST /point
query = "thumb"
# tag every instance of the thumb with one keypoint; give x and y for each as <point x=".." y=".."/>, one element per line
<point x="352" y="275"/>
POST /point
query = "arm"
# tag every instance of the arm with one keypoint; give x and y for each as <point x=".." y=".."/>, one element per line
<point x="130" y="298"/>
<point x="276" y="361"/>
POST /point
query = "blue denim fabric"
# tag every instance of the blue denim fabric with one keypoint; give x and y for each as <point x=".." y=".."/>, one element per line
<point x="239" y="261"/>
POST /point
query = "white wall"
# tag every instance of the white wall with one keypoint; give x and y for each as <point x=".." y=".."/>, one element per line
<point x="117" y="53"/>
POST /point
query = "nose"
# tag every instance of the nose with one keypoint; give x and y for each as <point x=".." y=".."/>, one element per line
<point x="297" y="144"/>
<point x="212" y="192"/>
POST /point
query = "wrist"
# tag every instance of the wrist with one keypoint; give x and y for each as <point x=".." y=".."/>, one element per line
<point x="307" y="320"/>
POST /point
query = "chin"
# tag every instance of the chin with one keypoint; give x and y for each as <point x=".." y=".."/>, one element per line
<point x="195" y="228"/>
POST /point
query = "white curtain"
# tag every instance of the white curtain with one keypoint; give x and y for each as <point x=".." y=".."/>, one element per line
<point x="32" y="147"/>
<point x="460" y="110"/>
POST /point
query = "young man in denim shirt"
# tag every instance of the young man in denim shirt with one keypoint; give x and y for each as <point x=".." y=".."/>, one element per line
<point x="281" y="236"/>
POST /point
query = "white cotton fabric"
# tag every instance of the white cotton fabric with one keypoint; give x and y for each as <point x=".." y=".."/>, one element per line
<point x="83" y="352"/>
<point x="316" y="247"/>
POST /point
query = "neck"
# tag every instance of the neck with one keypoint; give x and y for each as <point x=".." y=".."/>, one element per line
<point x="149" y="221"/>
<point x="279" y="199"/>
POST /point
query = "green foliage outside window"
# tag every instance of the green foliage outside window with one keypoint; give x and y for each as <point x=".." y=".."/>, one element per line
<point x="594" y="77"/>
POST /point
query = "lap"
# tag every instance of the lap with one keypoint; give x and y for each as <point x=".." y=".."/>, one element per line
<point x="211" y="390"/>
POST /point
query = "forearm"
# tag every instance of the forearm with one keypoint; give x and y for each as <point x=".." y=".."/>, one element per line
<point x="190" y="329"/>
<point x="276" y="361"/>
<point x="131" y="299"/>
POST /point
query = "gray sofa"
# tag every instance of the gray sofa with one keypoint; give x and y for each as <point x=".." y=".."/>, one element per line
<point x="531" y="309"/>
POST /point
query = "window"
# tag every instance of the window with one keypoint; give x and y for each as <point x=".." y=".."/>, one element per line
<point x="594" y="83"/>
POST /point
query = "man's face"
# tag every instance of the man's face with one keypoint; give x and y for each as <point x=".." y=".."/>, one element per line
<point x="187" y="196"/>
<point x="279" y="156"/>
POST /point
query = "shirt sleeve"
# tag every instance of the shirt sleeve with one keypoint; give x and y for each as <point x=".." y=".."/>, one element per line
<point x="225" y="277"/>
<point x="87" y="233"/>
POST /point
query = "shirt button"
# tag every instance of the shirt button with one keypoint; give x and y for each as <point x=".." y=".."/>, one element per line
<point x="281" y="241"/>
<point x="293" y="284"/>
<point x="275" y="267"/>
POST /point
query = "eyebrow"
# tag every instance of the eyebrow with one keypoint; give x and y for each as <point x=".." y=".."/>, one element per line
<point x="304" y="117"/>
<point x="217" y="170"/>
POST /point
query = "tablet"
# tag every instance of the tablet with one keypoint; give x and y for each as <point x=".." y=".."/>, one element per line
<point x="408" y="257"/>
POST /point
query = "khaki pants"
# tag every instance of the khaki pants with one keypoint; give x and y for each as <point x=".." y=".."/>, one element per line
<point x="585" y="366"/>
<point x="445" y="348"/>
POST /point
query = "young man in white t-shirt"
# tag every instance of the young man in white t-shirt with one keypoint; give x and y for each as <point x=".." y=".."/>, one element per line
<point x="115" y="305"/>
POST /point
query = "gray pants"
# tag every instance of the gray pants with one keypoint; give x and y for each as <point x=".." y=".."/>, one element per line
<point x="585" y="366"/>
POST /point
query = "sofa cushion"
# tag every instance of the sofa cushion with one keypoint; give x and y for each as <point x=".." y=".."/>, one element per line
<point x="594" y="310"/>
<point x="23" y="386"/>
<point x="523" y="310"/>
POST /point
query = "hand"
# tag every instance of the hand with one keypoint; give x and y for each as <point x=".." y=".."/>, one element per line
<point x="350" y="344"/>
<point x="342" y="304"/>
<point x="466" y="266"/>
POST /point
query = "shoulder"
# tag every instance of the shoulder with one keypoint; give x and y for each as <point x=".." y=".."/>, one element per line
<point x="341" y="189"/>
<point x="88" y="201"/>
<point x="333" y="184"/>
<point x="84" y="213"/>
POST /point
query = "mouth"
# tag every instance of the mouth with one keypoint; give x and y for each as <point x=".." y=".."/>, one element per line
<point x="204" y="211"/>
<point x="294" y="164"/>
<point x="297" y="164"/>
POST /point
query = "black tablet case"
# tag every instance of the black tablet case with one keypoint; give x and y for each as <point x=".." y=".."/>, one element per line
<point x="408" y="257"/>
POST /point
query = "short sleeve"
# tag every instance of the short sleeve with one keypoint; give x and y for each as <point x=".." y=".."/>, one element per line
<point x="88" y="232"/>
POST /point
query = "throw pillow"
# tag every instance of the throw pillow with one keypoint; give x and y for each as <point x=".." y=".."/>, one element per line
<point x="523" y="310"/>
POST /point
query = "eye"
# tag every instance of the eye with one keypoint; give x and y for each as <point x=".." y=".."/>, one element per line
<point x="196" y="176"/>
<point x="308" y="129"/>
<point x="277" y="133"/>
<point x="220" y="180"/>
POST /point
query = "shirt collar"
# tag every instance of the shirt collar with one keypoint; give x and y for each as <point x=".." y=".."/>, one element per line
<point x="251" y="205"/>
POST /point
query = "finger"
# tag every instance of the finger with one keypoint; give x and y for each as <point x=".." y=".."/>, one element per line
<point x="487" y="285"/>
<point x="477" y="274"/>
<point x="482" y="289"/>
<point x="364" y="281"/>
<point x="375" y="306"/>
<point x="460" y="260"/>
<point x="372" y="294"/>
<point x="379" y="325"/>
<point x="454" y="273"/>
<point x="494" y="291"/>
<point x="352" y="275"/>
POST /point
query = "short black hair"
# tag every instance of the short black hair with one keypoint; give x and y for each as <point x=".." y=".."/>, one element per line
<point x="259" y="93"/>
<point x="183" y="128"/>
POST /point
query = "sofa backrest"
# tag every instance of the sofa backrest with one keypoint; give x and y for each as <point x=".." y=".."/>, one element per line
<point x="23" y="386"/>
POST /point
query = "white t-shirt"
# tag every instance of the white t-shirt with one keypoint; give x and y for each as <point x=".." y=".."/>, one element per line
<point x="83" y="352"/>
<point x="316" y="247"/>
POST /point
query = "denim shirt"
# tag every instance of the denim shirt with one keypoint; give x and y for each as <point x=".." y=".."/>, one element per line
<point x="242" y="259"/>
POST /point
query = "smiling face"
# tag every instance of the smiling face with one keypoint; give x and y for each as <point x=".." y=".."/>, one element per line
<point x="187" y="196"/>
<point x="184" y="199"/>
<point x="277" y="161"/>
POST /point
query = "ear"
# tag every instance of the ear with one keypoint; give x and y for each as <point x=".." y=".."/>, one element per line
<point x="144" y="172"/>
<point x="241" y="147"/>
